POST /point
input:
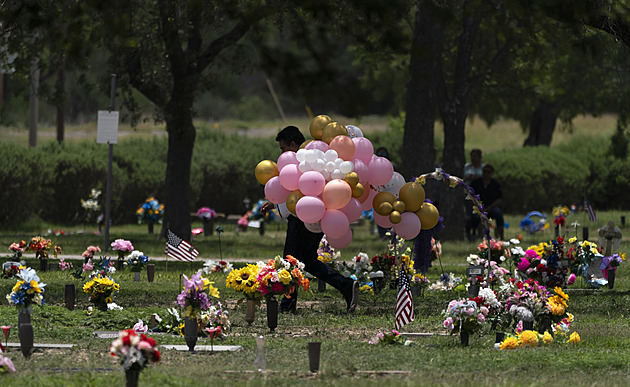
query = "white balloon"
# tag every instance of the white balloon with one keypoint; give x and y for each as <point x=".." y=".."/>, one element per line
<point x="301" y="155"/>
<point x="326" y="175"/>
<point x="337" y="174"/>
<point x="331" y="155"/>
<point x="319" y="153"/>
<point x="346" y="167"/>
<point x="338" y="162"/>
<point x="310" y="155"/>
<point x="314" y="227"/>
<point x="394" y="184"/>
<point x="319" y="165"/>
<point x="330" y="166"/>
<point x="303" y="166"/>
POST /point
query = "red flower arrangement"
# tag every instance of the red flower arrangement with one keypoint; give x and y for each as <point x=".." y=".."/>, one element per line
<point x="134" y="350"/>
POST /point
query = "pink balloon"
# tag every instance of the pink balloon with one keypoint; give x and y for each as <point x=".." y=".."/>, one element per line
<point x="337" y="193"/>
<point x="382" y="221"/>
<point x="310" y="209"/>
<point x="409" y="226"/>
<point x="367" y="204"/>
<point x="275" y="192"/>
<point x="311" y="183"/>
<point x="286" y="158"/>
<point x="317" y="144"/>
<point x="363" y="149"/>
<point x="381" y="171"/>
<point x="342" y="242"/>
<point x="352" y="210"/>
<point x="335" y="224"/>
<point x="290" y="176"/>
<point x="344" y="146"/>
<point x="362" y="170"/>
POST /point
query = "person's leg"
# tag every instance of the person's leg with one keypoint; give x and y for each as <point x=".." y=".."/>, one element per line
<point x="291" y="247"/>
<point x="497" y="215"/>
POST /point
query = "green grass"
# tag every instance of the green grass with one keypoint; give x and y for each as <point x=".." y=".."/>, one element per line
<point x="601" y="320"/>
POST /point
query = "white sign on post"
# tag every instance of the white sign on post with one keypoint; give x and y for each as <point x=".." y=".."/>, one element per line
<point x="107" y="127"/>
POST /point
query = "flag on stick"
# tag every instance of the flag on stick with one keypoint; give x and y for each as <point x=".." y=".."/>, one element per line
<point x="592" y="216"/>
<point x="179" y="249"/>
<point x="404" y="306"/>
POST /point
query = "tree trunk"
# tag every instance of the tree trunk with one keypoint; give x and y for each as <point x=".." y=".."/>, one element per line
<point x="61" y="105"/>
<point x="543" y="124"/>
<point x="418" y="138"/>
<point x="181" y="140"/>
<point x="33" y="106"/>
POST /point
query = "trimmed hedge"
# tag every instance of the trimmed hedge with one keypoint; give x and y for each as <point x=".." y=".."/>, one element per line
<point x="49" y="182"/>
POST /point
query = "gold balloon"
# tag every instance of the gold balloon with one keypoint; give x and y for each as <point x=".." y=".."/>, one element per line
<point x="352" y="178"/>
<point x="333" y="130"/>
<point x="265" y="170"/>
<point x="429" y="216"/>
<point x="395" y="217"/>
<point x="384" y="209"/>
<point x="413" y="195"/>
<point x="399" y="206"/>
<point x="357" y="191"/>
<point x="383" y="197"/>
<point x="317" y="126"/>
<point x="292" y="200"/>
<point x="305" y="143"/>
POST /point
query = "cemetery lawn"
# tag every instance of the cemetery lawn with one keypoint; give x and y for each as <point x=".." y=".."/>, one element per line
<point x="601" y="319"/>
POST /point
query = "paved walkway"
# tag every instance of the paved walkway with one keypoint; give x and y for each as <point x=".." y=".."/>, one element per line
<point x="162" y="258"/>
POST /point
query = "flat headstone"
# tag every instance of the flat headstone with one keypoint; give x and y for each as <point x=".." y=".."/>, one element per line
<point x="43" y="346"/>
<point x="208" y="348"/>
<point x="416" y="335"/>
<point x="106" y="334"/>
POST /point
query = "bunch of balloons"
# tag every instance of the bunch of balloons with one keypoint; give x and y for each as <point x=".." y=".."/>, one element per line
<point x="331" y="179"/>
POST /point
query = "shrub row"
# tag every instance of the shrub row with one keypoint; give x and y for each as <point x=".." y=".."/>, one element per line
<point x="49" y="182"/>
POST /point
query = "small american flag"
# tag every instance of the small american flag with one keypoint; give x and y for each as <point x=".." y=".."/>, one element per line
<point x="404" y="306"/>
<point x="592" y="216"/>
<point x="179" y="249"/>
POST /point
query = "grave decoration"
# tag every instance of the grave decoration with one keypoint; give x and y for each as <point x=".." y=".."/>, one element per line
<point x="124" y="248"/>
<point x="464" y="316"/>
<point x="546" y="263"/>
<point x="530" y="338"/>
<point x="6" y="365"/>
<point x="135" y="351"/>
<point x="11" y="269"/>
<point x="330" y="180"/>
<point x="393" y="337"/>
<point x="527" y="302"/>
<point x="609" y="236"/>
<point x="207" y="216"/>
<point x="136" y="261"/>
<point x="151" y="212"/>
<point x="210" y="266"/>
<point x="43" y="249"/>
<point x="244" y="280"/>
<point x="101" y="287"/>
<point x="17" y="249"/>
<point x="27" y="291"/>
<point x="91" y="206"/>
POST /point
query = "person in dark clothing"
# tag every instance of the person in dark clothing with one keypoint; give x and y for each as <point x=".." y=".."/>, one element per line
<point x="489" y="192"/>
<point x="302" y="244"/>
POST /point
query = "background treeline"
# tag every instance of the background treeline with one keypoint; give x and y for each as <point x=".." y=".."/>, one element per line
<point x="49" y="182"/>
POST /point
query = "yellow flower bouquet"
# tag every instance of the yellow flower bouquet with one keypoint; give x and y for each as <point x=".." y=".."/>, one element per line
<point x="244" y="280"/>
<point x="100" y="287"/>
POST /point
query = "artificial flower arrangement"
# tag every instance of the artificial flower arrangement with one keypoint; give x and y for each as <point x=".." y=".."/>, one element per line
<point x="420" y="281"/>
<point x="17" y="249"/>
<point x="393" y="337"/>
<point x="436" y="249"/>
<point x="6" y="365"/>
<point x="528" y="301"/>
<point x="464" y="315"/>
<point x="529" y="338"/>
<point x="194" y="298"/>
<point x="498" y="318"/>
<point x="384" y="263"/>
<point x="206" y="213"/>
<point x="360" y="269"/>
<point x="28" y="291"/>
<point x="243" y="221"/>
<point x="496" y="272"/>
<point x="612" y="261"/>
<point x="134" y="350"/>
<point x="11" y="269"/>
<point x="171" y="323"/>
<point x="101" y="287"/>
<point x="545" y="263"/>
<point x="497" y="250"/>
<point x="244" y="280"/>
<point x="446" y="282"/>
<point x="211" y="266"/>
<point x="137" y="260"/>
<point x="63" y="265"/>
<point x="150" y="211"/>
<point x="215" y="322"/>
<point x="326" y="253"/>
<point x="281" y="276"/>
<point x="124" y="248"/>
<point x="43" y="248"/>
<point x="90" y="251"/>
<point x="91" y="206"/>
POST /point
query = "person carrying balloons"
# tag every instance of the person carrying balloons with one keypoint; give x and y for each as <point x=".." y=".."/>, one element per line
<point x="303" y="195"/>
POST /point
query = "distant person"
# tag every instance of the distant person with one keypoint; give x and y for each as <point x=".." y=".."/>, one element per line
<point x="302" y="244"/>
<point x="472" y="171"/>
<point x="489" y="192"/>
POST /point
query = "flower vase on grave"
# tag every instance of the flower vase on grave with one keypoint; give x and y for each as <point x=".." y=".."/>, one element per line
<point x="544" y="324"/>
<point x="321" y="285"/>
<point x="23" y="317"/>
<point x="528" y="325"/>
<point x="463" y="338"/>
<point x="69" y="296"/>
<point x="250" y="311"/>
<point x="136" y="276"/>
<point x="611" y="277"/>
<point x="260" y="364"/>
<point x="473" y="290"/>
<point x="190" y="332"/>
<point x="416" y="291"/>
<point x="25" y="333"/>
<point x="499" y="336"/>
<point x="120" y="264"/>
<point x="208" y="226"/>
<point x="132" y="376"/>
<point x="150" y="272"/>
<point x="272" y="313"/>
